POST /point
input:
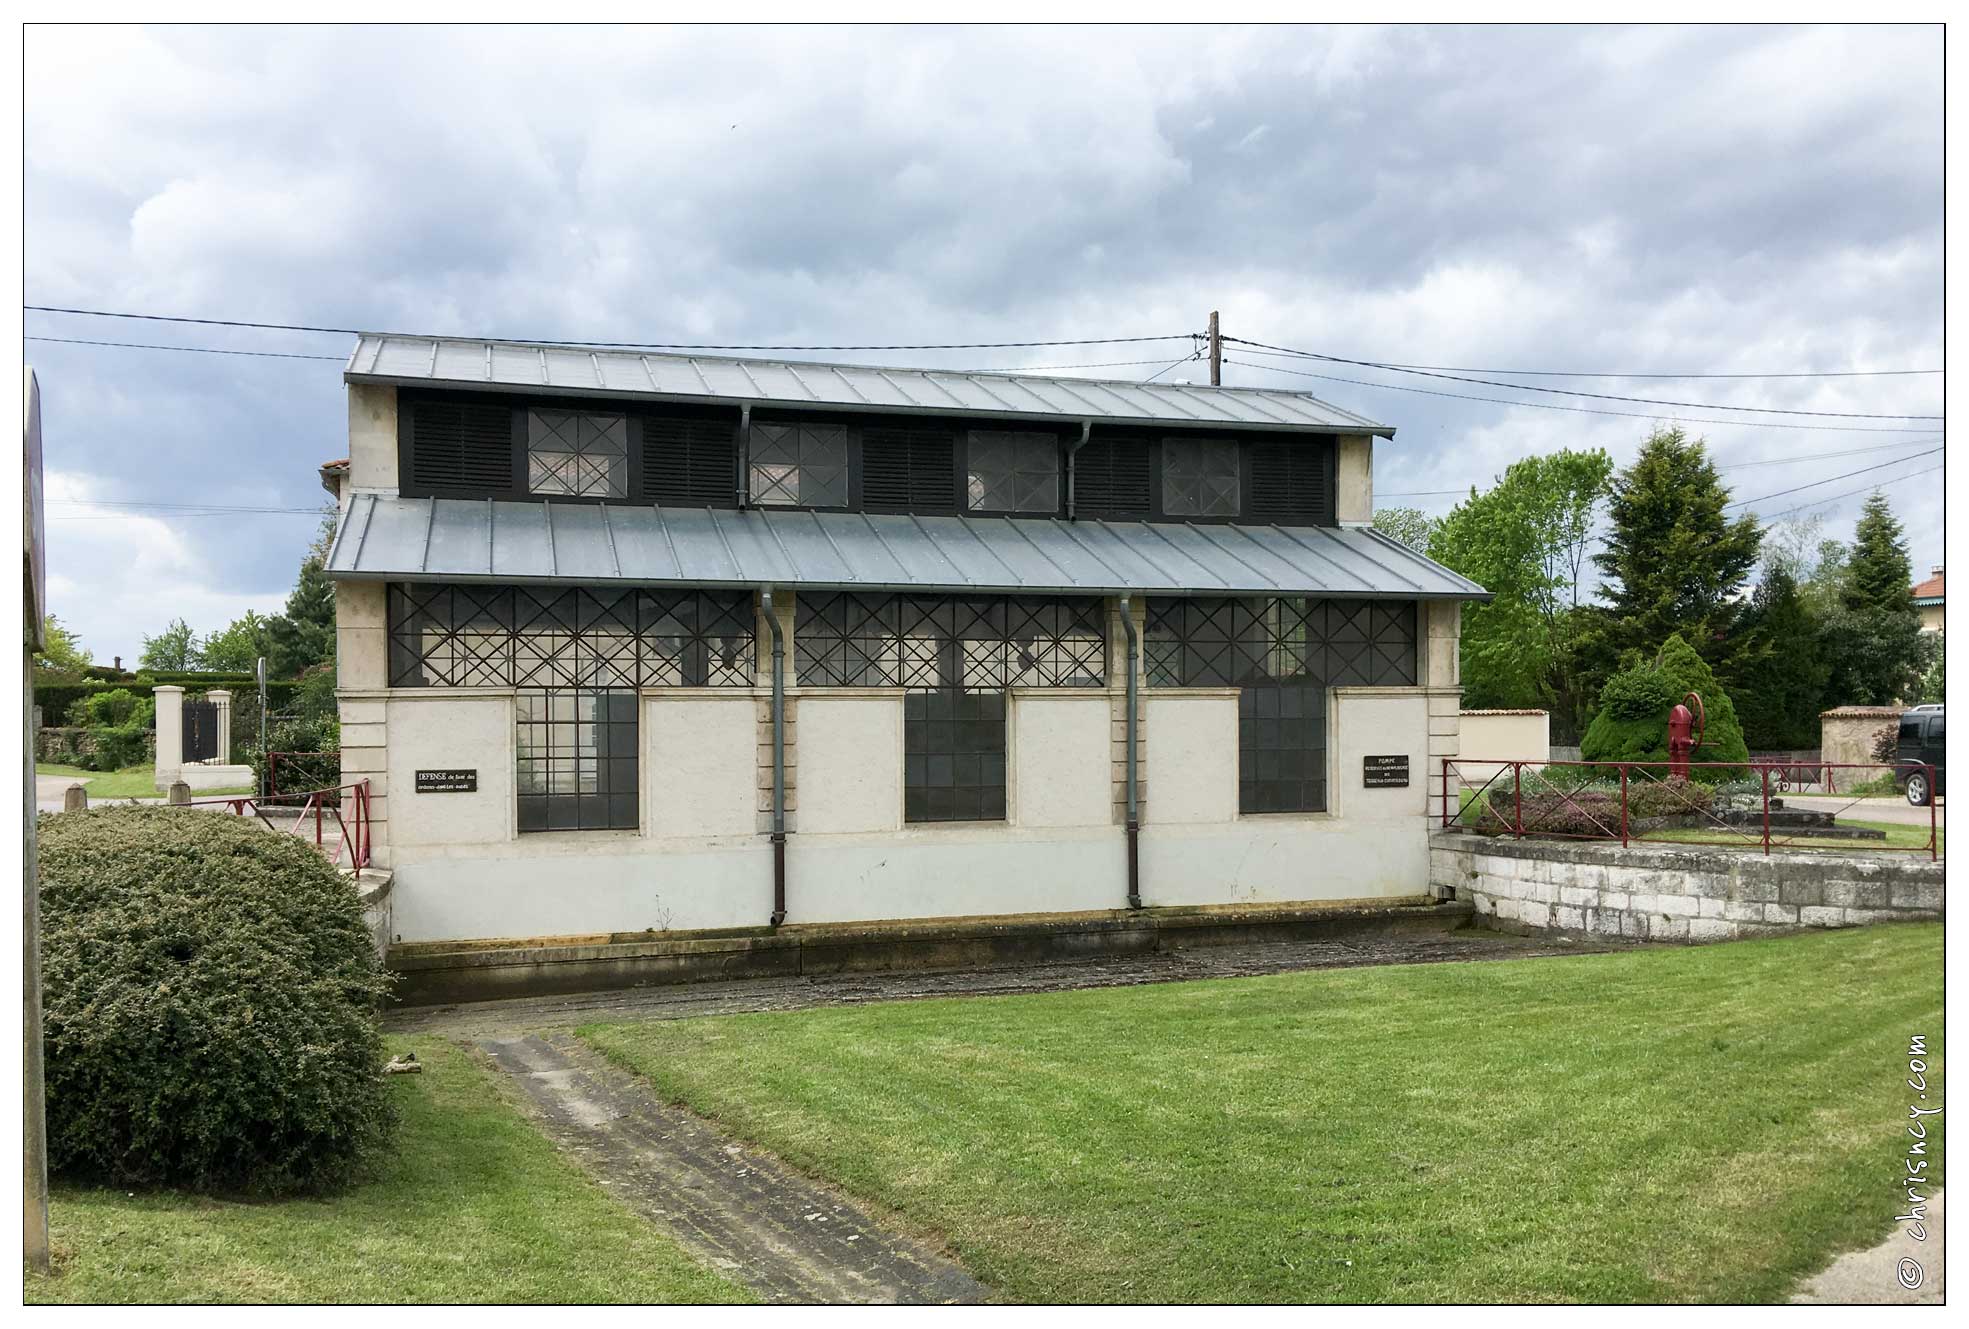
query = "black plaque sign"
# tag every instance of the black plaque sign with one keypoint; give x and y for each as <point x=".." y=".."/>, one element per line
<point x="1389" y="772"/>
<point x="456" y="782"/>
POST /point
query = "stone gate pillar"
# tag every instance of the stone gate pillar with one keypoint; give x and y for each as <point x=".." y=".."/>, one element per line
<point x="223" y="701"/>
<point x="170" y="700"/>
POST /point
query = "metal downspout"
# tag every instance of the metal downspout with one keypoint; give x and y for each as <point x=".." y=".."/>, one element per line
<point x="779" y="756"/>
<point x="1086" y="431"/>
<point x="1134" y="821"/>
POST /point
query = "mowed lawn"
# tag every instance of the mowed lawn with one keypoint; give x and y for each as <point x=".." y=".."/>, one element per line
<point x="477" y="1207"/>
<point x="1691" y="1124"/>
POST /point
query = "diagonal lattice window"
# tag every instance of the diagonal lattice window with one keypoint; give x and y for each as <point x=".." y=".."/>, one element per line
<point x="577" y="454"/>
<point x="799" y="464"/>
<point x="1200" y="477"/>
<point x="533" y="637"/>
<point x="1282" y="654"/>
<point x="974" y="643"/>
<point x="1010" y="471"/>
<point x="957" y="656"/>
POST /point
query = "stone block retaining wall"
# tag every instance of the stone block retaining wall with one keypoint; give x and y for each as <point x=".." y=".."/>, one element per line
<point x="1658" y="893"/>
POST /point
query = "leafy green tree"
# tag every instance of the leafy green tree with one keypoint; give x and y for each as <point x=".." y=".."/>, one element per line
<point x="239" y="646"/>
<point x="63" y="654"/>
<point x="1875" y="650"/>
<point x="173" y="650"/>
<point x="1779" y="700"/>
<point x="1525" y="540"/>
<point x="1410" y="526"/>
<point x="304" y="634"/>
<point x="1931" y="682"/>
<point x="1675" y="562"/>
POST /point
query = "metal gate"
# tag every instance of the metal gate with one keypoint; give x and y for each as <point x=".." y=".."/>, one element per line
<point x="201" y="730"/>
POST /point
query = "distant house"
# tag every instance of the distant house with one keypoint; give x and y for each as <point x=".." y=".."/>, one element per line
<point x="637" y="641"/>
<point x="1928" y="597"/>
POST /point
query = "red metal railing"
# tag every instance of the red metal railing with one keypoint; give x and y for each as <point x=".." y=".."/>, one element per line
<point x="337" y="818"/>
<point x="1635" y="801"/>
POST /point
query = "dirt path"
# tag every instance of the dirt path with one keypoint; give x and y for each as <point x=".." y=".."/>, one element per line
<point x="791" y="1239"/>
<point x="1880" y="1276"/>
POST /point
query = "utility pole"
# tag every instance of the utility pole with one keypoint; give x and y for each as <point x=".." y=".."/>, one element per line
<point x="1216" y="354"/>
<point x="34" y="1131"/>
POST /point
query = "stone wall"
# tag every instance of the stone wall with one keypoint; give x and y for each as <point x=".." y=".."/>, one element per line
<point x="1659" y="893"/>
<point x="1846" y="735"/>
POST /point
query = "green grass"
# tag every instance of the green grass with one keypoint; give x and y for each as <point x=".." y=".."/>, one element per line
<point x="130" y="782"/>
<point x="1688" y="1124"/>
<point x="477" y="1207"/>
<point x="1899" y="837"/>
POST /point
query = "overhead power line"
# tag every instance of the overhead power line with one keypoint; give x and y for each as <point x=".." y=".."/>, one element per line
<point x="1821" y="502"/>
<point x="623" y="345"/>
<point x="1575" y="392"/>
<point x="1829" y="479"/>
<point x="201" y="350"/>
<point x="1609" y="373"/>
<point x="1721" y="466"/>
<point x="1592" y="410"/>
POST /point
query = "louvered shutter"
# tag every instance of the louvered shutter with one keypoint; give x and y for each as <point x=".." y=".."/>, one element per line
<point x="908" y="470"/>
<point x="690" y="462"/>
<point x="1111" y="479"/>
<point x="462" y="448"/>
<point x="1290" y="483"/>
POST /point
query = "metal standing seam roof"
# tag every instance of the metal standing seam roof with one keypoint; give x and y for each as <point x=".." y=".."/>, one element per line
<point x="455" y="539"/>
<point x="638" y="375"/>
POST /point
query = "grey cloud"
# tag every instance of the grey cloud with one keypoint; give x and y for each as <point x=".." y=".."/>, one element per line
<point x="1654" y="198"/>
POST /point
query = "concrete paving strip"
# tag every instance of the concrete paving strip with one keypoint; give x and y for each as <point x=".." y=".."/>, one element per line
<point x="792" y="1240"/>
<point x="1880" y="1276"/>
<point x="1894" y="811"/>
<point x="800" y="992"/>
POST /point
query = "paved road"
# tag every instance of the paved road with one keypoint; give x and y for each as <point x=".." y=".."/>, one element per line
<point x="1880" y="1276"/>
<point x="1897" y="811"/>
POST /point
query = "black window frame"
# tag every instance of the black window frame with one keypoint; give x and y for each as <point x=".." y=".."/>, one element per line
<point x="968" y="438"/>
<point x="631" y="448"/>
<point x="613" y="731"/>
<point x="1284" y="655"/>
<point x="956" y="659"/>
<point x="1252" y="445"/>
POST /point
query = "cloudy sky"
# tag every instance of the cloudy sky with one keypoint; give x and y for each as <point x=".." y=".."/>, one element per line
<point x="1663" y="200"/>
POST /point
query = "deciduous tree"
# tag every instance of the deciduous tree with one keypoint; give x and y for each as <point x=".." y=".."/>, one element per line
<point x="1525" y="540"/>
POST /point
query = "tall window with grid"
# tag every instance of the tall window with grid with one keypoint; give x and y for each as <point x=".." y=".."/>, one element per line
<point x="1282" y="654"/>
<point x="957" y="656"/>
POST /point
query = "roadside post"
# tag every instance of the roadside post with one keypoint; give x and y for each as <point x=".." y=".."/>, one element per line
<point x="34" y="1132"/>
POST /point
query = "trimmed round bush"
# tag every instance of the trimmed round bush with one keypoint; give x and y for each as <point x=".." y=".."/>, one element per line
<point x="210" y="1001"/>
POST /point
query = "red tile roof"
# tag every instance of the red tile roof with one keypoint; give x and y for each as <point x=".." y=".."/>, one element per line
<point x="1930" y="589"/>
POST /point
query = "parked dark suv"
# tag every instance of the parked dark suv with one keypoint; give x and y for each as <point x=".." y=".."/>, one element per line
<point x="1919" y="745"/>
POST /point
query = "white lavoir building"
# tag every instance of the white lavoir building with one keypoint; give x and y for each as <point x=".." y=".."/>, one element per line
<point x="562" y="576"/>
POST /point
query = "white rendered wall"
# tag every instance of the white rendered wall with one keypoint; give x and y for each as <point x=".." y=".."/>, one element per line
<point x="372" y="438"/>
<point x="1353" y="489"/>
<point x="1504" y="736"/>
<point x="1195" y="772"/>
<point x="451" y="731"/>
<point x="850" y="761"/>
<point x="1058" y="773"/>
<point x="699" y="764"/>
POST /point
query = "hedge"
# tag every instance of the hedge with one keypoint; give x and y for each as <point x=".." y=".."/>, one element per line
<point x="210" y="998"/>
<point x="55" y="699"/>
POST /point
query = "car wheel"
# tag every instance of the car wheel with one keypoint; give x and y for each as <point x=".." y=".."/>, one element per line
<point x="1917" y="790"/>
